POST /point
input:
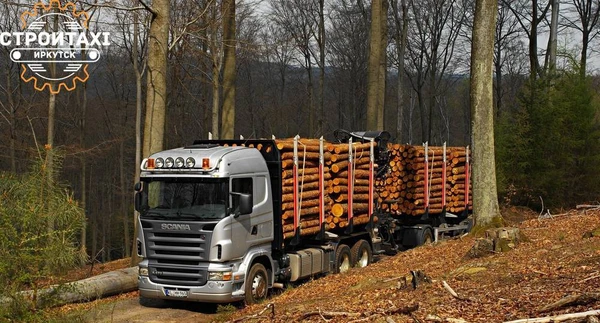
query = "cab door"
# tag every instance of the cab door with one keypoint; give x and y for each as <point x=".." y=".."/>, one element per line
<point x="249" y="230"/>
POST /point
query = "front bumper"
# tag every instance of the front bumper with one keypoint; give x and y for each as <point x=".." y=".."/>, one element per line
<point x="211" y="292"/>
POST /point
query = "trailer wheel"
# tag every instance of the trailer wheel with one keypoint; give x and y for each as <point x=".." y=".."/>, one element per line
<point x="256" y="284"/>
<point x="343" y="259"/>
<point x="362" y="255"/>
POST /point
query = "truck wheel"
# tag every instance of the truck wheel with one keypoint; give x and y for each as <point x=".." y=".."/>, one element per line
<point x="343" y="259"/>
<point x="257" y="284"/>
<point x="427" y="236"/>
<point x="362" y="255"/>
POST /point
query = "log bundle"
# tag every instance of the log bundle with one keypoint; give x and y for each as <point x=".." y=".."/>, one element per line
<point x="403" y="191"/>
<point x="336" y="167"/>
<point x="308" y="185"/>
<point x="338" y="188"/>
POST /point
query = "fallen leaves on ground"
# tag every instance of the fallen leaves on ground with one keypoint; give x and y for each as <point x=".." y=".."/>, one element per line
<point x="556" y="261"/>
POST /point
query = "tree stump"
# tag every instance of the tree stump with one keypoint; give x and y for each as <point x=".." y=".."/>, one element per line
<point x="496" y="240"/>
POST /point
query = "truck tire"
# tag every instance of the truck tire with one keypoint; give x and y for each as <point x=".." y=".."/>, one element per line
<point x="343" y="259"/>
<point x="427" y="236"/>
<point x="362" y="255"/>
<point x="257" y="284"/>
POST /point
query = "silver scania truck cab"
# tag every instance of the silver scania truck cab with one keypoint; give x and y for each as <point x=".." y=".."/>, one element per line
<point x="206" y="225"/>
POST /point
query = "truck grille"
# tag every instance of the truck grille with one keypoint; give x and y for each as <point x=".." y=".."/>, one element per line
<point x="174" y="256"/>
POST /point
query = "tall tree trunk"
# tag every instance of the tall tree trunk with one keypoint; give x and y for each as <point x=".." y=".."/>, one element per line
<point x="83" y="166"/>
<point x="216" y="66"/>
<point x="373" y="72"/>
<point x="104" y="247"/>
<point x="400" y="38"/>
<point x="12" y="120"/>
<point x="215" y="98"/>
<point x="123" y="196"/>
<point x="423" y="113"/>
<point x="94" y="220"/>
<point x="321" y="129"/>
<point x="156" y="90"/>
<point x="50" y="148"/>
<point x="311" y="96"/>
<point x="432" y="94"/>
<point x="381" y="89"/>
<point x="552" y="41"/>
<point x="584" y="49"/>
<point x="498" y="83"/>
<point x="135" y="259"/>
<point x="229" y="69"/>
<point x="485" y="196"/>
<point x="51" y="119"/>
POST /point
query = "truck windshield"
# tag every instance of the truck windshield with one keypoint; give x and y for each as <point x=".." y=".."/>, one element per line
<point x="189" y="198"/>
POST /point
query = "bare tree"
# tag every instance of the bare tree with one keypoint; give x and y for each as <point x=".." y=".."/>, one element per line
<point x="530" y="14"/>
<point x="400" y="15"/>
<point x="506" y="43"/>
<point x="432" y="41"/>
<point x="485" y="196"/>
<point x="587" y="13"/>
<point x="11" y="90"/>
<point x="550" y="61"/>
<point x="348" y="40"/>
<point x="278" y="51"/>
<point x="296" y="18"/>
<point x="156" y="88"/>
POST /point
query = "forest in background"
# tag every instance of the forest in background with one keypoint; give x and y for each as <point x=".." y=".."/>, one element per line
<point x="302" y="69"/>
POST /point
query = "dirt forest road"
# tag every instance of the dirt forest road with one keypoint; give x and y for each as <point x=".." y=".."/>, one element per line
<point x="128" y="309"/>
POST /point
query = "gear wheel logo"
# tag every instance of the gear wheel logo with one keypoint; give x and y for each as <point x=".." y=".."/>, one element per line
<point x="54" y="49"/>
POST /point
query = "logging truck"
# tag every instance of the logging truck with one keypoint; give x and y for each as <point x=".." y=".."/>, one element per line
<point x="228" y="220"/>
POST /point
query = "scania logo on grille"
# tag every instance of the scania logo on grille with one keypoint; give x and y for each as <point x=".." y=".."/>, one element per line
<point x="175" y="226"/>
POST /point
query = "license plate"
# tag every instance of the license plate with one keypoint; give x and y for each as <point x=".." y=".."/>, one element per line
<point x="176" y="293"/>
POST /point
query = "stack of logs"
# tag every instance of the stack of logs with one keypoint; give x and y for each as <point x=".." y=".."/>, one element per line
<point x="337" y="188"/>
<point x="308" y="184"/>
<point x="336" y="159"/>
<point x="402" y="191"/>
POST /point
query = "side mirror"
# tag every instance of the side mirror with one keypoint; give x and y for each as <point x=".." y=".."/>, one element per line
<point x="138" y="201"/>
<point x="137" y="198"/>
<point x="245" y="204"/>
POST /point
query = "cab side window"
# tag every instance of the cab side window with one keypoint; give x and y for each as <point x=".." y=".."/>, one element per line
<point x="240" y="185"/>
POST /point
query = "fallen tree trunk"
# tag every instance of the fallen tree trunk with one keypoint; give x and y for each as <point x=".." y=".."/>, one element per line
<point x="557" y="318"/>
<point x="96" y="287"/>
<point x="571" y="300"/>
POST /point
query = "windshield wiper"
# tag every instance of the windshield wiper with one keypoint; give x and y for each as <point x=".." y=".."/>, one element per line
<point x="159" y="214"/>
<point x="187" y="214"/>
<point x="199" y="216"/>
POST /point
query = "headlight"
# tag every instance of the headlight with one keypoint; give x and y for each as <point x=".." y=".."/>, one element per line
<point x="190" y="162"/>
<point x="160" y="163"/>
<point x="179" y="162"/>
<point x="143" y="271"/>
<point x="219" y="275"/>
<point x="169" y="162"/>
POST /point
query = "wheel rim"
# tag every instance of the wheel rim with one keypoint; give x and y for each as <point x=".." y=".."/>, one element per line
<point x="364" y="259"/>
<point x="259" y="286"/>
<point x="428" y="239"/>
<point x="345" y="264"/>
